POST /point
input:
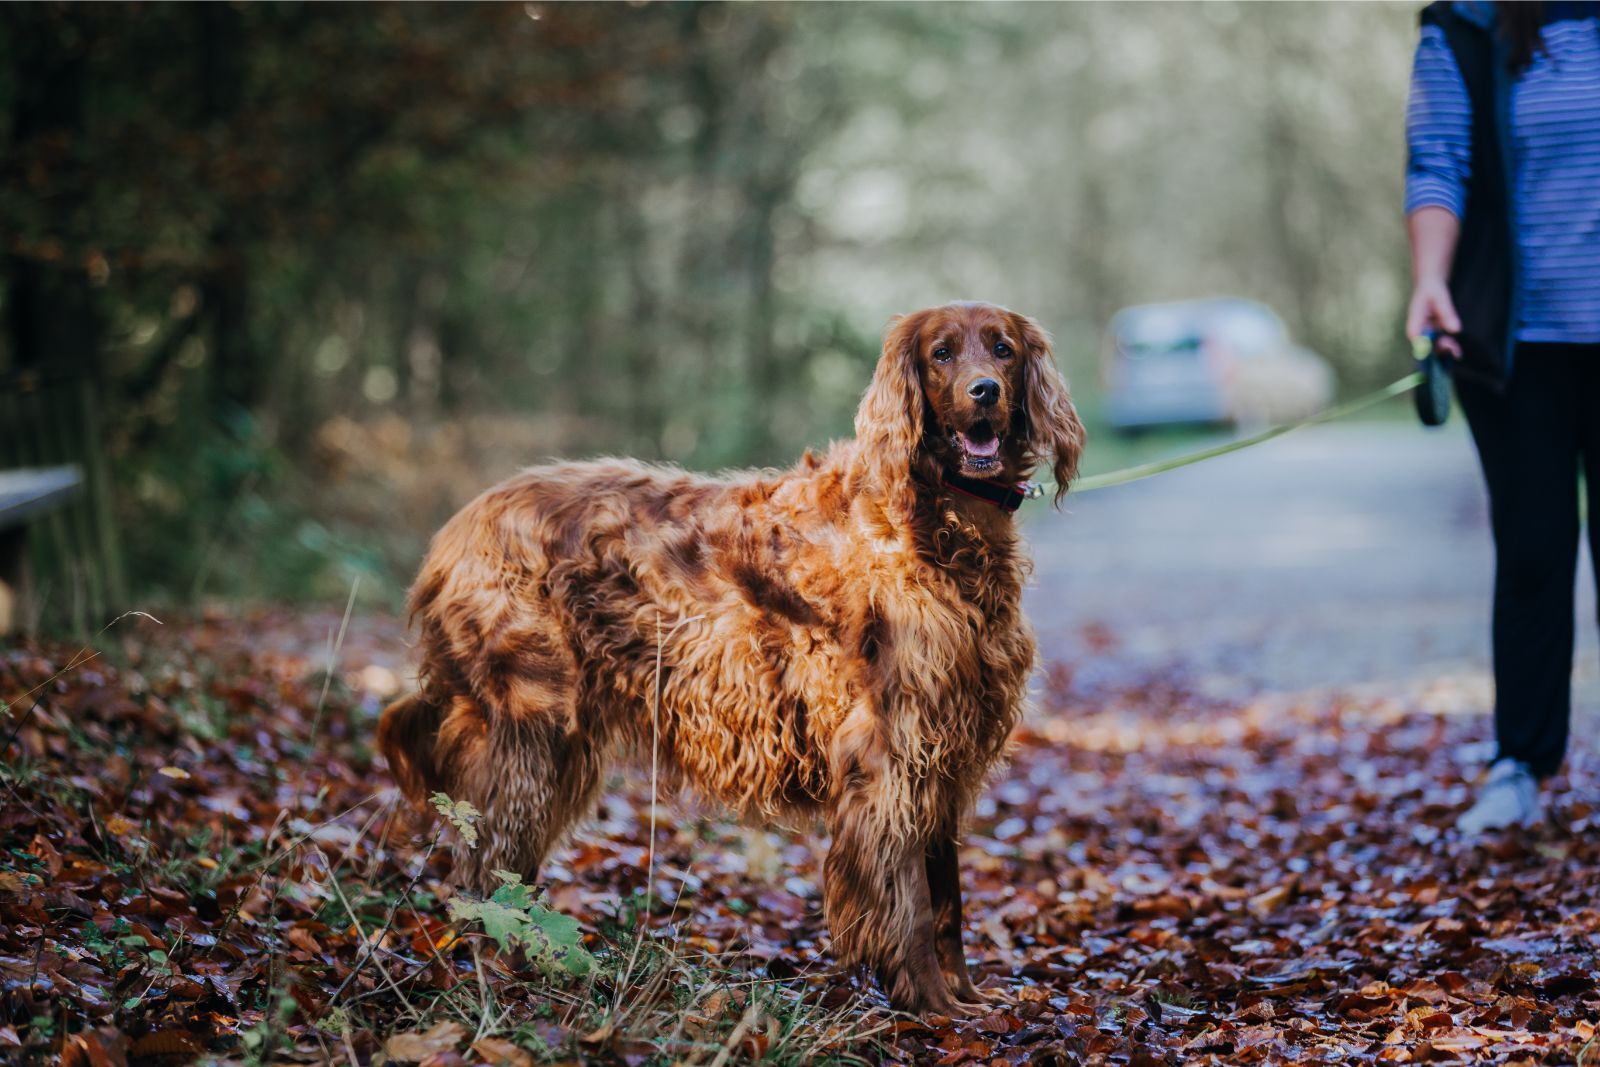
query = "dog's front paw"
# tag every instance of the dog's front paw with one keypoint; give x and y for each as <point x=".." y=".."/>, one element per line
<point x="965" y="994"/>
<point x="923" y="996"/>
<point x="980" y="1002"/>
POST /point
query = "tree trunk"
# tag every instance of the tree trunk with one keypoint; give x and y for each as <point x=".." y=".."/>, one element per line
<point x="51" y="315"/>
<point x="236" y="373"/>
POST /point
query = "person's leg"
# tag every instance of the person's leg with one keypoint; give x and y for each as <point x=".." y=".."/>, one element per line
<point x="1528" y="442"/>
<point x="1589" y="442"/>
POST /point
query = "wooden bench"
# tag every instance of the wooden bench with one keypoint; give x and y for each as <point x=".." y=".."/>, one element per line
<point x="26" y="495"/>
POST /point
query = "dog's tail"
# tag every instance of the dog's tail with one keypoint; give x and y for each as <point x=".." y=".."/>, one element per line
<point x="408" y="736"/>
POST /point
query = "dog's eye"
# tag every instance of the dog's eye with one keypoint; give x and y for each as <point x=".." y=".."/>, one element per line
<point x="941" y="354"/>
<point x="1002" y="350"/>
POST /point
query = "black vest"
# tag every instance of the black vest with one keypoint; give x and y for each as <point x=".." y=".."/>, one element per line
<point x="1483" y="277"/>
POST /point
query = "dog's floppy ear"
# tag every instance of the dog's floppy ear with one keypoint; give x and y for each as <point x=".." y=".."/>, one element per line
<point x="1054" y="433"/>
<point x="889" y="422"/>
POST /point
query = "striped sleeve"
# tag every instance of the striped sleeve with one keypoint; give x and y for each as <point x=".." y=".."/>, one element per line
<point x="1438" y="129"/>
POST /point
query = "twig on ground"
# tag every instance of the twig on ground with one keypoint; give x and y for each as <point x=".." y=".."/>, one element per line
<point x="372" y="944"/>
<point x="82" y="656"/>
<point x="655" y="763"/>
<point x="333" y="656"/>
<point x="388" y="923"/>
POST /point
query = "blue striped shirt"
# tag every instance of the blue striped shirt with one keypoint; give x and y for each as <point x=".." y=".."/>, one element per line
<point x="1555" y="152"/>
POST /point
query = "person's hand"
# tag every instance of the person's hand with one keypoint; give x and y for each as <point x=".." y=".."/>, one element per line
<point x="1432" y="309"/>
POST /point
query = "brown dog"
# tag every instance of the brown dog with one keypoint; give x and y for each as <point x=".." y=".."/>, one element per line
<point x="844" y="639"/>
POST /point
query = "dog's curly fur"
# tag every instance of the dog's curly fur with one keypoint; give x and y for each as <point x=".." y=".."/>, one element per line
<point x="843" y="638"/>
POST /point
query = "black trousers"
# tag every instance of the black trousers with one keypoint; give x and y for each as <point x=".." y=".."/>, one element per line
<point x="1531" y="440"/>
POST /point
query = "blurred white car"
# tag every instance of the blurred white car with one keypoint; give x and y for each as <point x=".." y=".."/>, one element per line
<point x="1222" y="360"/>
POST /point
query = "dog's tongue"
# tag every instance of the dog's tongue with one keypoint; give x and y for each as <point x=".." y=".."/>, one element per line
<point x="988" y="447"/>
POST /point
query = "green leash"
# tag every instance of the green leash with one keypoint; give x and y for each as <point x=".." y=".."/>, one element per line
<point x="1161" y="466"/>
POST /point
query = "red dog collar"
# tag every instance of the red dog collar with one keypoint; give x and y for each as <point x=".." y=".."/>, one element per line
<point x="1008" y="498"/>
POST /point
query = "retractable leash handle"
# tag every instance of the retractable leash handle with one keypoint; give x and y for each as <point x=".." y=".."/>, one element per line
<point x="1433" y="393"/>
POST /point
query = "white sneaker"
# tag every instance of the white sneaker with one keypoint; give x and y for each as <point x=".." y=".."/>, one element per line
<point x="1510" y="797"/>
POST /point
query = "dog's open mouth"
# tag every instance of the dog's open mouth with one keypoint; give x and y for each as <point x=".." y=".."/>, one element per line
<point x="979" y="446"/>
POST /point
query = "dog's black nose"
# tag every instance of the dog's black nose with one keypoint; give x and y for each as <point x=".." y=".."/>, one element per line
<point x="985" y="391"/>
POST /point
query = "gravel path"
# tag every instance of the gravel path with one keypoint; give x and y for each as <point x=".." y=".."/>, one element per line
<point x="1341" y="556"/>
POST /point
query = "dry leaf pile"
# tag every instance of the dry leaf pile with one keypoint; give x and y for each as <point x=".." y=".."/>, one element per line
<point x="202" y="861"/>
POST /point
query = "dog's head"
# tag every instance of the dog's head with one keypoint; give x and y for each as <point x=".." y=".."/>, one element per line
<point x="970" y="389"/>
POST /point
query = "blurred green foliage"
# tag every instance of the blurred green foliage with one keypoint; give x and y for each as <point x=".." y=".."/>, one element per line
<point x="333" y="268"/>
